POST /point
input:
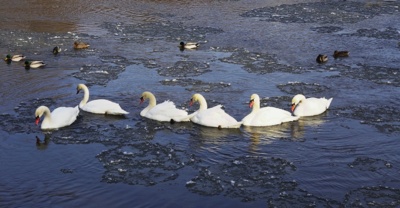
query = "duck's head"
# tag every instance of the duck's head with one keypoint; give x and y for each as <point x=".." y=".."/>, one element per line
<point x="321" y="58"/>
<point x="296" y="100"/>
<point x="56" y="50"/>
<point x="7" y="58"/>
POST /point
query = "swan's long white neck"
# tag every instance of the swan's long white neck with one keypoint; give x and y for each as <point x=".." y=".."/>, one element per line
<point x="256" y="104"/>
<point x="152" y="100"/>
<point x="46" y="113"/>
<point x="85" y="96"/>
<point x="202" y="102"/>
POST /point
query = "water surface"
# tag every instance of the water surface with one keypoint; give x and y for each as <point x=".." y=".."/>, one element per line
<point x="347" y="156"/>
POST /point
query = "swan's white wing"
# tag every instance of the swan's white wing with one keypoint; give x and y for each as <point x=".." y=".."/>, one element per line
<point x="102" y="106"/>
<point x="312" y="106"/>
<point x="166" y="111"/>
<point x="60" y="117"/>
<point x="215" y="117"/>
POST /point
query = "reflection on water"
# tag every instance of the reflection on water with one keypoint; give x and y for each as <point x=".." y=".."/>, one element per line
<point x="42" y="145"/>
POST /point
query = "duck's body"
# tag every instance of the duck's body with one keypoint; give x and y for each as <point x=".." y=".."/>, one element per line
<point x="267" y="116"/>
<point x="56" y="50"/>
<point x="34" y="64"/>
<point x="165" y="111"/>
<point x="321" y="58"/>
<point x="15" y="58"/>
<point x="80" y="45"/>
<point x="302" y="106"/>
<point x="337" y="54"/>
<point x="211" y="117"/>
<point x="188" y="45"/>
<point x="60" y="117"/>
<point x="100" y="106"/>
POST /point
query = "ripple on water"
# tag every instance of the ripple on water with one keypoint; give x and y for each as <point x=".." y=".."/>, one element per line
<point x="373" y="196"/>
<point x="144" y="163"/>
<point x="194" y="85"/>
<point x="98" y="74"/>
<point x="330" y="12"/>
<point x="302" y="88"/>
<point x="171" y="31"/>
<point x="248" y="178"/>
<point x="255" y="62"/>
<point x="384" y="118"/>
<point x="185" y="69"/>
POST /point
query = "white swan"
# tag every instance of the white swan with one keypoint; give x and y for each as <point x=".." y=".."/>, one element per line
<point x="211" y="117"/>
<point x="267" y="116"/>
<point x="60" y="117"/>
<point x="310" y="106"/>
<point x="165" y="111"/>
<point x="100" y="106"/>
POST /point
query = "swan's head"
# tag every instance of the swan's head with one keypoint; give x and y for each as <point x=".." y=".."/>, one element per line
<point x="296" y="100"/>
<point x="195" y="98"/>
<point x="253" y="98"/>
<point x="79" y="88"/>
<point x="145" y="95"/>
<point x="39" y="113"/>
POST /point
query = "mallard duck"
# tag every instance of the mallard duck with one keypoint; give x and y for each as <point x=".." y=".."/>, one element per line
<point x="56" y="50"/>
<point x="337" y="54"/>
<point x="321" y="58"/>
<point x="188" y="45"/>
<point x="80" y="45"/>
<point x="14" y="58"/>
<point x="33" y="64"/>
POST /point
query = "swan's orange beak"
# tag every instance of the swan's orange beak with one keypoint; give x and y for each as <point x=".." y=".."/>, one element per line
<point x="293" y="107"/>
<point x="37" y="120"/>
<point x="191" y="102"/>
<point x="251" y="103"/>
<point x="141" y="100"/>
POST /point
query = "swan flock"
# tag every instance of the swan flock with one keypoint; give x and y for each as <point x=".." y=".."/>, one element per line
<point x="166" y="111"/>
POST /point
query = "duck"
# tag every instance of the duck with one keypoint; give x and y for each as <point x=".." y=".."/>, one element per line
<point x="34" y="64"/>
<point x="80" y="45"/>
<point x="188" y="45"/>
<point x="56" y="50"/>
<point x="322" y="58"/>
<point x="15" y="58"/>
<point x="337" y="54"/>
<point x="165" y="111"/>
<point x="100" y="106"/>
<point x="60" y="117"/>
<point x="302" y="106"/>
<point x="266" y="116"/>
<point x="211" y="117"/>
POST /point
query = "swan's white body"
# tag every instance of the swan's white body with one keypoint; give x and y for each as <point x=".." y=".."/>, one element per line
<point x="302" y="106"/>
<point x="60" y="117"/>
<point x="100" y="106"/>
<point x="212" y="117"/>
<point x="165" y="111"/>
<point x="267" y="116"/>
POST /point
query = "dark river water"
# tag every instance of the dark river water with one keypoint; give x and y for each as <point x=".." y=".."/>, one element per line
<point x="346" y="157"/>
